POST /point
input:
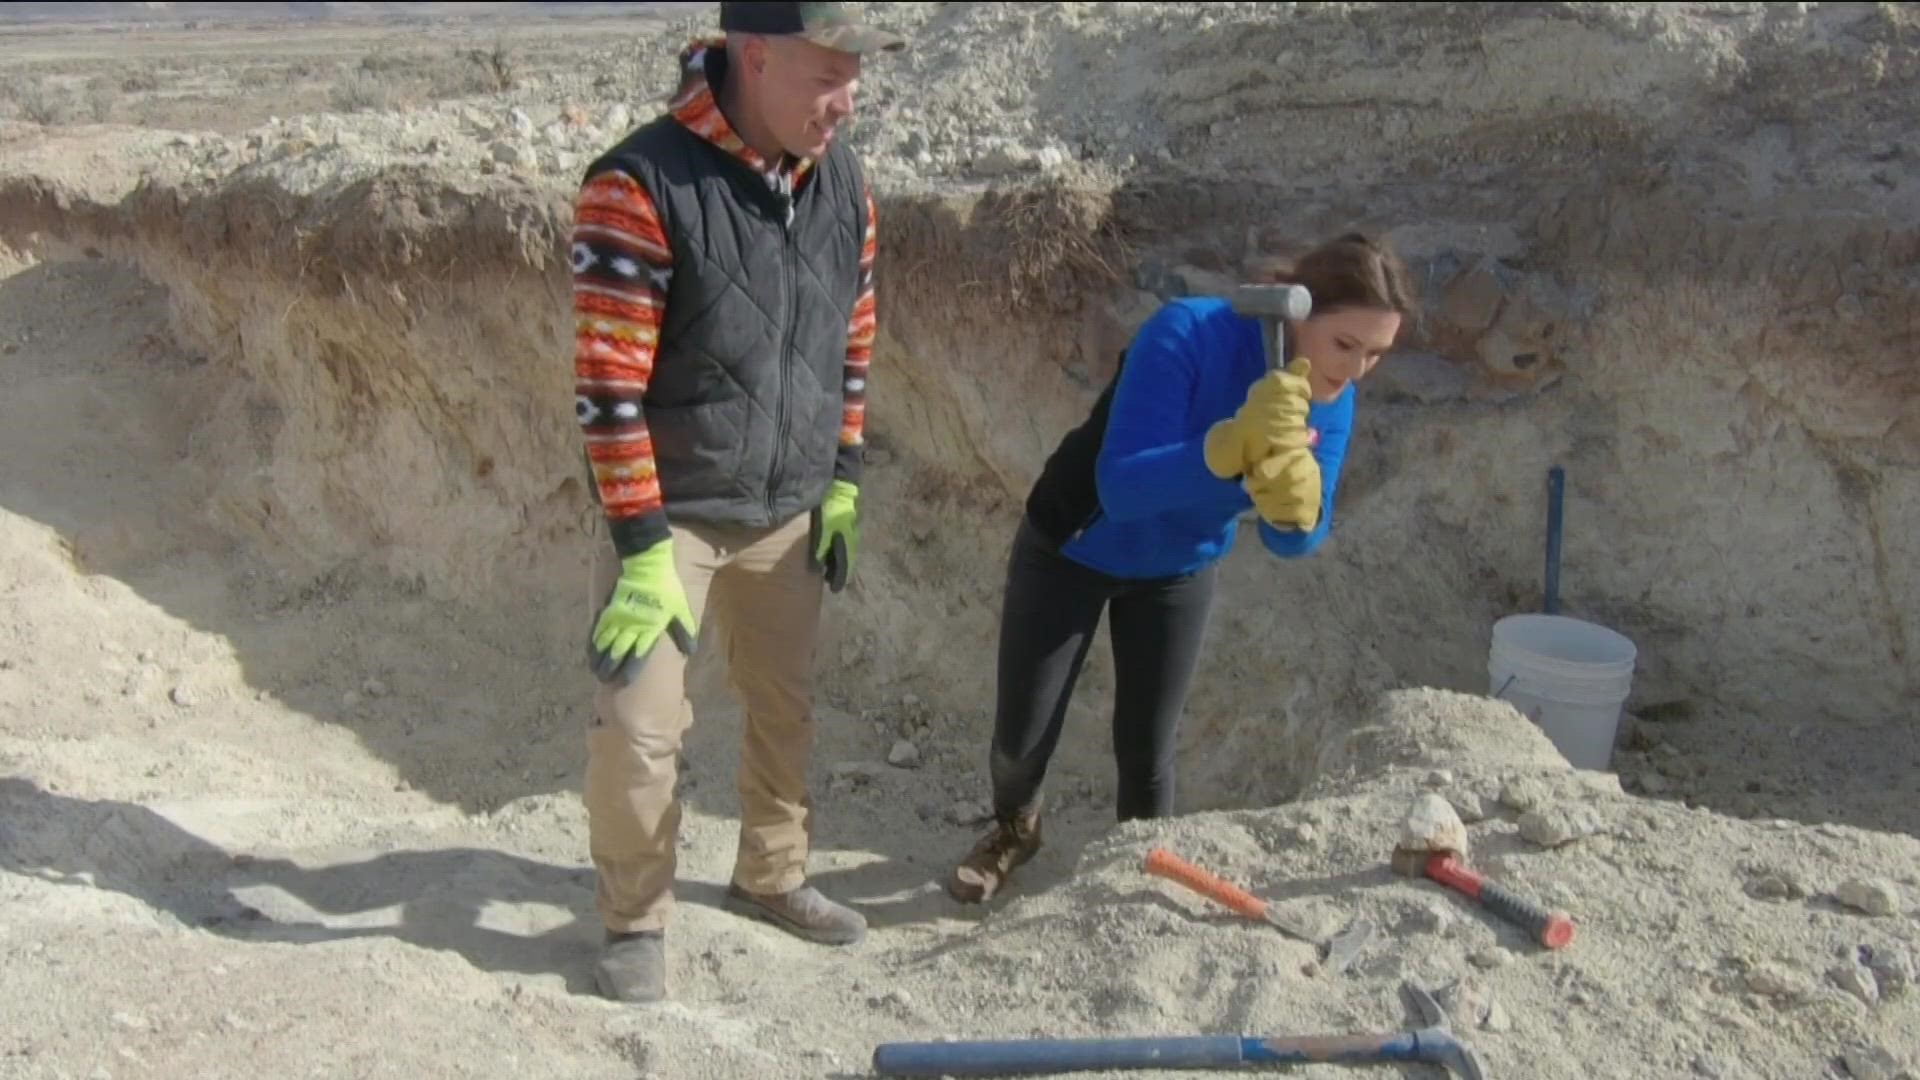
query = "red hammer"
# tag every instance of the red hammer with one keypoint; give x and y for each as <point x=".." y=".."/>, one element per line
<point x="1554" y="929"/>
<point x="1433" y="843"/>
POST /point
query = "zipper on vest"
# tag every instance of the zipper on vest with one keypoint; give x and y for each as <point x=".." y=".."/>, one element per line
<point x="780" y="358"/>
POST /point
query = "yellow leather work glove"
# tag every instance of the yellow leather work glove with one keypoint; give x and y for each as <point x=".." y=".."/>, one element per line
<point x="1272" y="420"/>
<point x="1286" y="490"/>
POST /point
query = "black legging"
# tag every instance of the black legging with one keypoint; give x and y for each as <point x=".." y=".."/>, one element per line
<point x="1047" y="622"/>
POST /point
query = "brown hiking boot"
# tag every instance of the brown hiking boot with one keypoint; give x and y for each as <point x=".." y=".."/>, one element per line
<point x="1015" y="839"/>
<point x="804" y="913"/>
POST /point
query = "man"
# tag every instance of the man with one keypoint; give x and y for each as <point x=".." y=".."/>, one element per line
<point x="724" y="317"/>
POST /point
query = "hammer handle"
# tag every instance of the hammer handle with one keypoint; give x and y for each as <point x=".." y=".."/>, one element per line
<point x="1166" y="864"/>
<point x="1554" y="929"/>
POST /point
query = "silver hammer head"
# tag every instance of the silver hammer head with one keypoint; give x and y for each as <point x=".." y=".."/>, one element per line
<point x="1436" y="1041"/>
<point x="1290" y="302"/>
<point x="1273" y="305"/>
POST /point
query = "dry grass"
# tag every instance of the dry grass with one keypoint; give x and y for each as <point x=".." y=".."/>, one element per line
<point x="48" y="103"/>
<point x="366" y="90"/>
<point x="1059" y="242"/>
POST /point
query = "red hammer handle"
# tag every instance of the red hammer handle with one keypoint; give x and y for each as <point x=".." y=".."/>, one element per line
<point x="1554" y="929"/>
<point x="1166" y="864"/>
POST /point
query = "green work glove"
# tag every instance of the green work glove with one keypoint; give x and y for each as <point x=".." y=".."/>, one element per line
<point x="646" y="600"/>
<point x="836" y="533"/>
<point x="1272" y="420"/>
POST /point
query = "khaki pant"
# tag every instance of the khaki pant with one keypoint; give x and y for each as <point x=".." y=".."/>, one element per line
<point x="765" y="597"/>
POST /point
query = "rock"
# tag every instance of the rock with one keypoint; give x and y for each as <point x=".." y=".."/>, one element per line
<point x="520" y="122"/>
<point x="1497" y="1018"/>
<point x="1858" y="980"/>
<point x="1872" y="1063"/>
<point x="1434" y="918"/>
<point x="619" y="120"/>
<point x="1557" y="826"/>
<point x="1892" y="969"/>
<point x="1432" y="824"/>
<point x="856" y="773"/>
<point x="1470" y="805"/>
<point x="555" y="134"/>
<point x="904" y="755"/>
<point x="182" y="697"/>
<point x="1522" y="793"/>
<point x="1776" y="980"/>
<point x="130" y="1021"/>
<point x="1467" y="1002"/>
<point x="1599" y="783"/>
<point x="968" y="813"/>
<point x="1003" y="159"/>
<point x="1492" y="958"/>
<point x="1873" y="896"/>
<point x="1781" y="886"/>
<point x="1440" y="778"/>
<point x="1052" y="158"/>
<point x="1303" y="834"/>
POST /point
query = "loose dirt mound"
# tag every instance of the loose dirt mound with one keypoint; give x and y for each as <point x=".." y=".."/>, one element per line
<point x="292" y="536"/>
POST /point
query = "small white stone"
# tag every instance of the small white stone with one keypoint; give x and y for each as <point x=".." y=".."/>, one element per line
<point x="1873" y="896"/>
<point x="904" y="755"/>
<point x="1858" y="981"/>
<point x="1432" y="824"/>
<point x="1492" y="958"/>
<point x="1871" y="1063"/>
<point x="1470" y="805"/>
<point x="1774" y="980"/>
<point x="1522" y="793"/>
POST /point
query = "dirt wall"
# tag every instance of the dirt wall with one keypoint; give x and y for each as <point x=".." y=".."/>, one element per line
<point x="1704" y="311"/>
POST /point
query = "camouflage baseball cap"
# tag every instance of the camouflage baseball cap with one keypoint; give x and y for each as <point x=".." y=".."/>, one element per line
<point x="836" y="26"/>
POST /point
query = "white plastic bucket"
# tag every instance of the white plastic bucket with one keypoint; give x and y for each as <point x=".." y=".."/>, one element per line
<point x="1568" y="676"/>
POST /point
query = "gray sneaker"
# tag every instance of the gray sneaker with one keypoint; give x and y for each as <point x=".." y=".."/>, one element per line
<point x="804" y="913"/>
<point x="633" y="967"/>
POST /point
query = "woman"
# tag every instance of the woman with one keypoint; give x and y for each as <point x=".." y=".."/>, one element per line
<point x="1136" y="507"/>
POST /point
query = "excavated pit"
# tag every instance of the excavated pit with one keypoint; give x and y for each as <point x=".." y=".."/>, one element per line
<point x="390" y="402"/>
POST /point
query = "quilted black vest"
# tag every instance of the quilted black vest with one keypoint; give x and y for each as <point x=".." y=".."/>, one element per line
<point x="745" y="402"/>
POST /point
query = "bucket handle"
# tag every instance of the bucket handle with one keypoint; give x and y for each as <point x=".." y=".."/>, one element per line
<point x="1504" y="685"/>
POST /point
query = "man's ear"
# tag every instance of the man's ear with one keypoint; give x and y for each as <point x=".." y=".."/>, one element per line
<point x="753" y="53"/>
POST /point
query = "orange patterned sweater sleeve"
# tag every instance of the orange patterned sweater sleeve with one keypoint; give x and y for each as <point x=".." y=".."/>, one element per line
<point x="860" y="334"/>
<point x="622" y="266"/>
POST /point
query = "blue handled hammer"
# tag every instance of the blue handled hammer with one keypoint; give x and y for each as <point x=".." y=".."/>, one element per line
<point x="1431" y="1043"/>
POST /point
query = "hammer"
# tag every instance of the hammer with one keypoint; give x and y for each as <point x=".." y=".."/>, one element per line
<point x="1336" y="953"/>
<point x="1274" y="305"/>
<point x="1433" y="844"/>
<point x="1432" y="1044"/>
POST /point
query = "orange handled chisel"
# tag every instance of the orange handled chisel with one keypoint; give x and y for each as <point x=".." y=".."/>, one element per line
<point x="1335" y="953"/>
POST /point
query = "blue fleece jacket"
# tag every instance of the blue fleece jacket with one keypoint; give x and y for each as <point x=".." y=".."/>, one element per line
<point x="1161" y="512"/>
